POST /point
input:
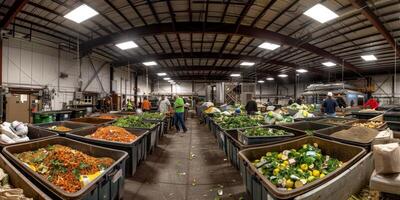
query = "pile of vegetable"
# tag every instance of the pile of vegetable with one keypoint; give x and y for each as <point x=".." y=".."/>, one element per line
<point x="276" y="118"/>
<point x="7" y="192"/>
<point x="13" y="132"/>
<point x="339" y="121"/>
<point x="153" y="116"/>
<point x="303" y="114"/>
<point x="65" y="167"/>
<point x="258" y="131"/>
<point x="370" y="124"/>
<point x="107" y="117"/>
<point x="309" y="108"/>
<point x="212" y="110"/>
<point x="291" y="169"/>
<point x="113" y="133"/>
<point x="239" y="121"/>
<point x="133" y="122"/>
<point x="59" y="128"/>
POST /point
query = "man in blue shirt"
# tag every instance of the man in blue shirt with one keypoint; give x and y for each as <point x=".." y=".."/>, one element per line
<point x="329" y="105"/>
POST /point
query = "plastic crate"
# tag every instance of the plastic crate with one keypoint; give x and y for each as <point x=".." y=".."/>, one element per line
<point x="34" y="134"/>
<point x="74" y="126"/>
<point x="307" y="125"/>
<point x="260" y="188"/>
<point x="135" y="149"/>
<point x="109" y="185"/>
<point x="18" y="180"/>
<point x="233" y="145"/>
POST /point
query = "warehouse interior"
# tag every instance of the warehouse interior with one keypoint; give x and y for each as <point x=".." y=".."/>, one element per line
<point x="200" y="99"/>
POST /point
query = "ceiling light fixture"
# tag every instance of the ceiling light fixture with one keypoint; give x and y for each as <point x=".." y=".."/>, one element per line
<point x="235" y="75"/>
<point x="301" y="70"/>
<point x="369" y="57"/>
<point x="329" y="64"/>
<point x="270" y="79"/>
<point x="126" y="45"/>
<point x="321" y="13"/>
<point x="81" y="13"/>
<point x="283" y="75"/>
<point x="151" y="63"/>
<point x="167" y="78"/>
<point x="269" y="46"/>
<point x="161" y="74"/>
<point x="261" y="81"/>
<point x="247" y="63"/>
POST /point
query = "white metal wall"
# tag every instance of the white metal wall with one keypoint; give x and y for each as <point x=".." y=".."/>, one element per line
<point x="181" y="88"/>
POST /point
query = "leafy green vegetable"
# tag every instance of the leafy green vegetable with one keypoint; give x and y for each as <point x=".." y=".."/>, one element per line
<point x="291" y="169"/>
<point x="258" y="131"/>
<point x="133" y="122"/>
<point x="240" y="121"/>
<point x="153" y="116"/>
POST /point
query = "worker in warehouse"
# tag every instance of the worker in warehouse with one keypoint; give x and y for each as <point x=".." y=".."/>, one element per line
<point x="251" y="106"/>
<point x="329" y="105"/>
<point x="179" y="107"/>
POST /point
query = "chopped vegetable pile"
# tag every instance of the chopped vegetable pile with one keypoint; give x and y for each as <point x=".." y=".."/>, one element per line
<point x="153" y="116"/>
<point x="65" y="167"/>
<point x="133" y="122"/>
<point x="241" y="121"/>
<point x="370" y="124"/>
<point x="113" y="133"/>
<point x="294" y="168"/>
<point x="257" y="131"/>
<point x="107" y="117"/>
<point x="60" y="128"/>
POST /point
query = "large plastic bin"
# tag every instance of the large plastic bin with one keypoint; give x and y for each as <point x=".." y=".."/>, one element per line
<point x="63" y="115"/>
<point x="161" y="127"/>
<point x="309" y="119"/>
<point x="233" y="145"/>
<point x="34" y="134"/>
<point x="151" y="137"/>
<point x="336" y="121"/>
<point x="43" y="117"/>
<point x="244" y="139"/>
<point x="93" y="120"/>
<point x="326" y="133"/>
<point x="136" y="149"/>
<point x="108" y="186"/>
<point x="77" y="113"/>
<point x="307" y="126"/>
<point x="75" y="126"/>
<point x="259" y="187"/>
<point x="365" y="115"/>
<point x="392" y="116"/>
<point x="18" y="180"/>
<point x="395" y="126"/>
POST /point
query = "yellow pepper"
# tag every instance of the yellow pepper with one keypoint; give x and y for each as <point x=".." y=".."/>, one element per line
<point x="304" y="167"/>
<point x="315" y="173"/>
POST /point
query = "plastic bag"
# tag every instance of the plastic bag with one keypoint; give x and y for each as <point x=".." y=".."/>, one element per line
<point x="387" y="158"/>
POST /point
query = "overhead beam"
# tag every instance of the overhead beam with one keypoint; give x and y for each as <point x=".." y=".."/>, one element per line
<point x="370" y="15"/>
<point x="12" y="12"/>
<point x="212" y="27"/>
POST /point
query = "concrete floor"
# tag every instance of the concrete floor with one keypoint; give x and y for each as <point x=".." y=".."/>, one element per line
<point x="186" y="168"/>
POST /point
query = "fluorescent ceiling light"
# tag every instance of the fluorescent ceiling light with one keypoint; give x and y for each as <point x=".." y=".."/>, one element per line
<point x="151" y="63"/>
<point x="81" y="13"/>
<point x="269" y="46"/>
<point x="329" y="64"/>
<point x="301" y="70"/>
<point x="321" y="13"/>
<point x="369" y="57"/>
<point x="126" y="45"/>
<point x="161" y="74"/>
<point x="235" y="75"/>
<point x="283" y="75"/>
<point x="261" y="81"/>
<point x="167" y="78"/>
<point x="247" y="63"/>
<point x="270" y="79"/>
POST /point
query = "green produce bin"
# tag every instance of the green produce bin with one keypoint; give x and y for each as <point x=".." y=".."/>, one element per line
<point x="249" y="140"/>
<point x="18" y="180"/>
<point x="260" y="188"/>
<point x="136" y="150"/>
<point x="108" y="186"/>
<point x="43" y="117"/>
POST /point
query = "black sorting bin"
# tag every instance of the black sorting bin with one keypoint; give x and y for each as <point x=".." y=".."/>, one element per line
<point x="307" y="126"/>
<point x="93" y="121"/>
<point x="63" y="115"/>
<point x="136" y="149"/>
<point x="365" y="115"/>
<point x="393" y="116"/>
<point x="109" y="185"/>
<point x="74" y="126"/>
<point x="249" y="140"/>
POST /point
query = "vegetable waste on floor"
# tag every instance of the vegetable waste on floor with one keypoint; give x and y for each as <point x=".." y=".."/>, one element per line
<point x="292" y="169"/>
<point x="65" y="167"/>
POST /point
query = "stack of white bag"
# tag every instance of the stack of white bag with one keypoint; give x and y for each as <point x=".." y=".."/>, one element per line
<point x="13" y="132"/>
